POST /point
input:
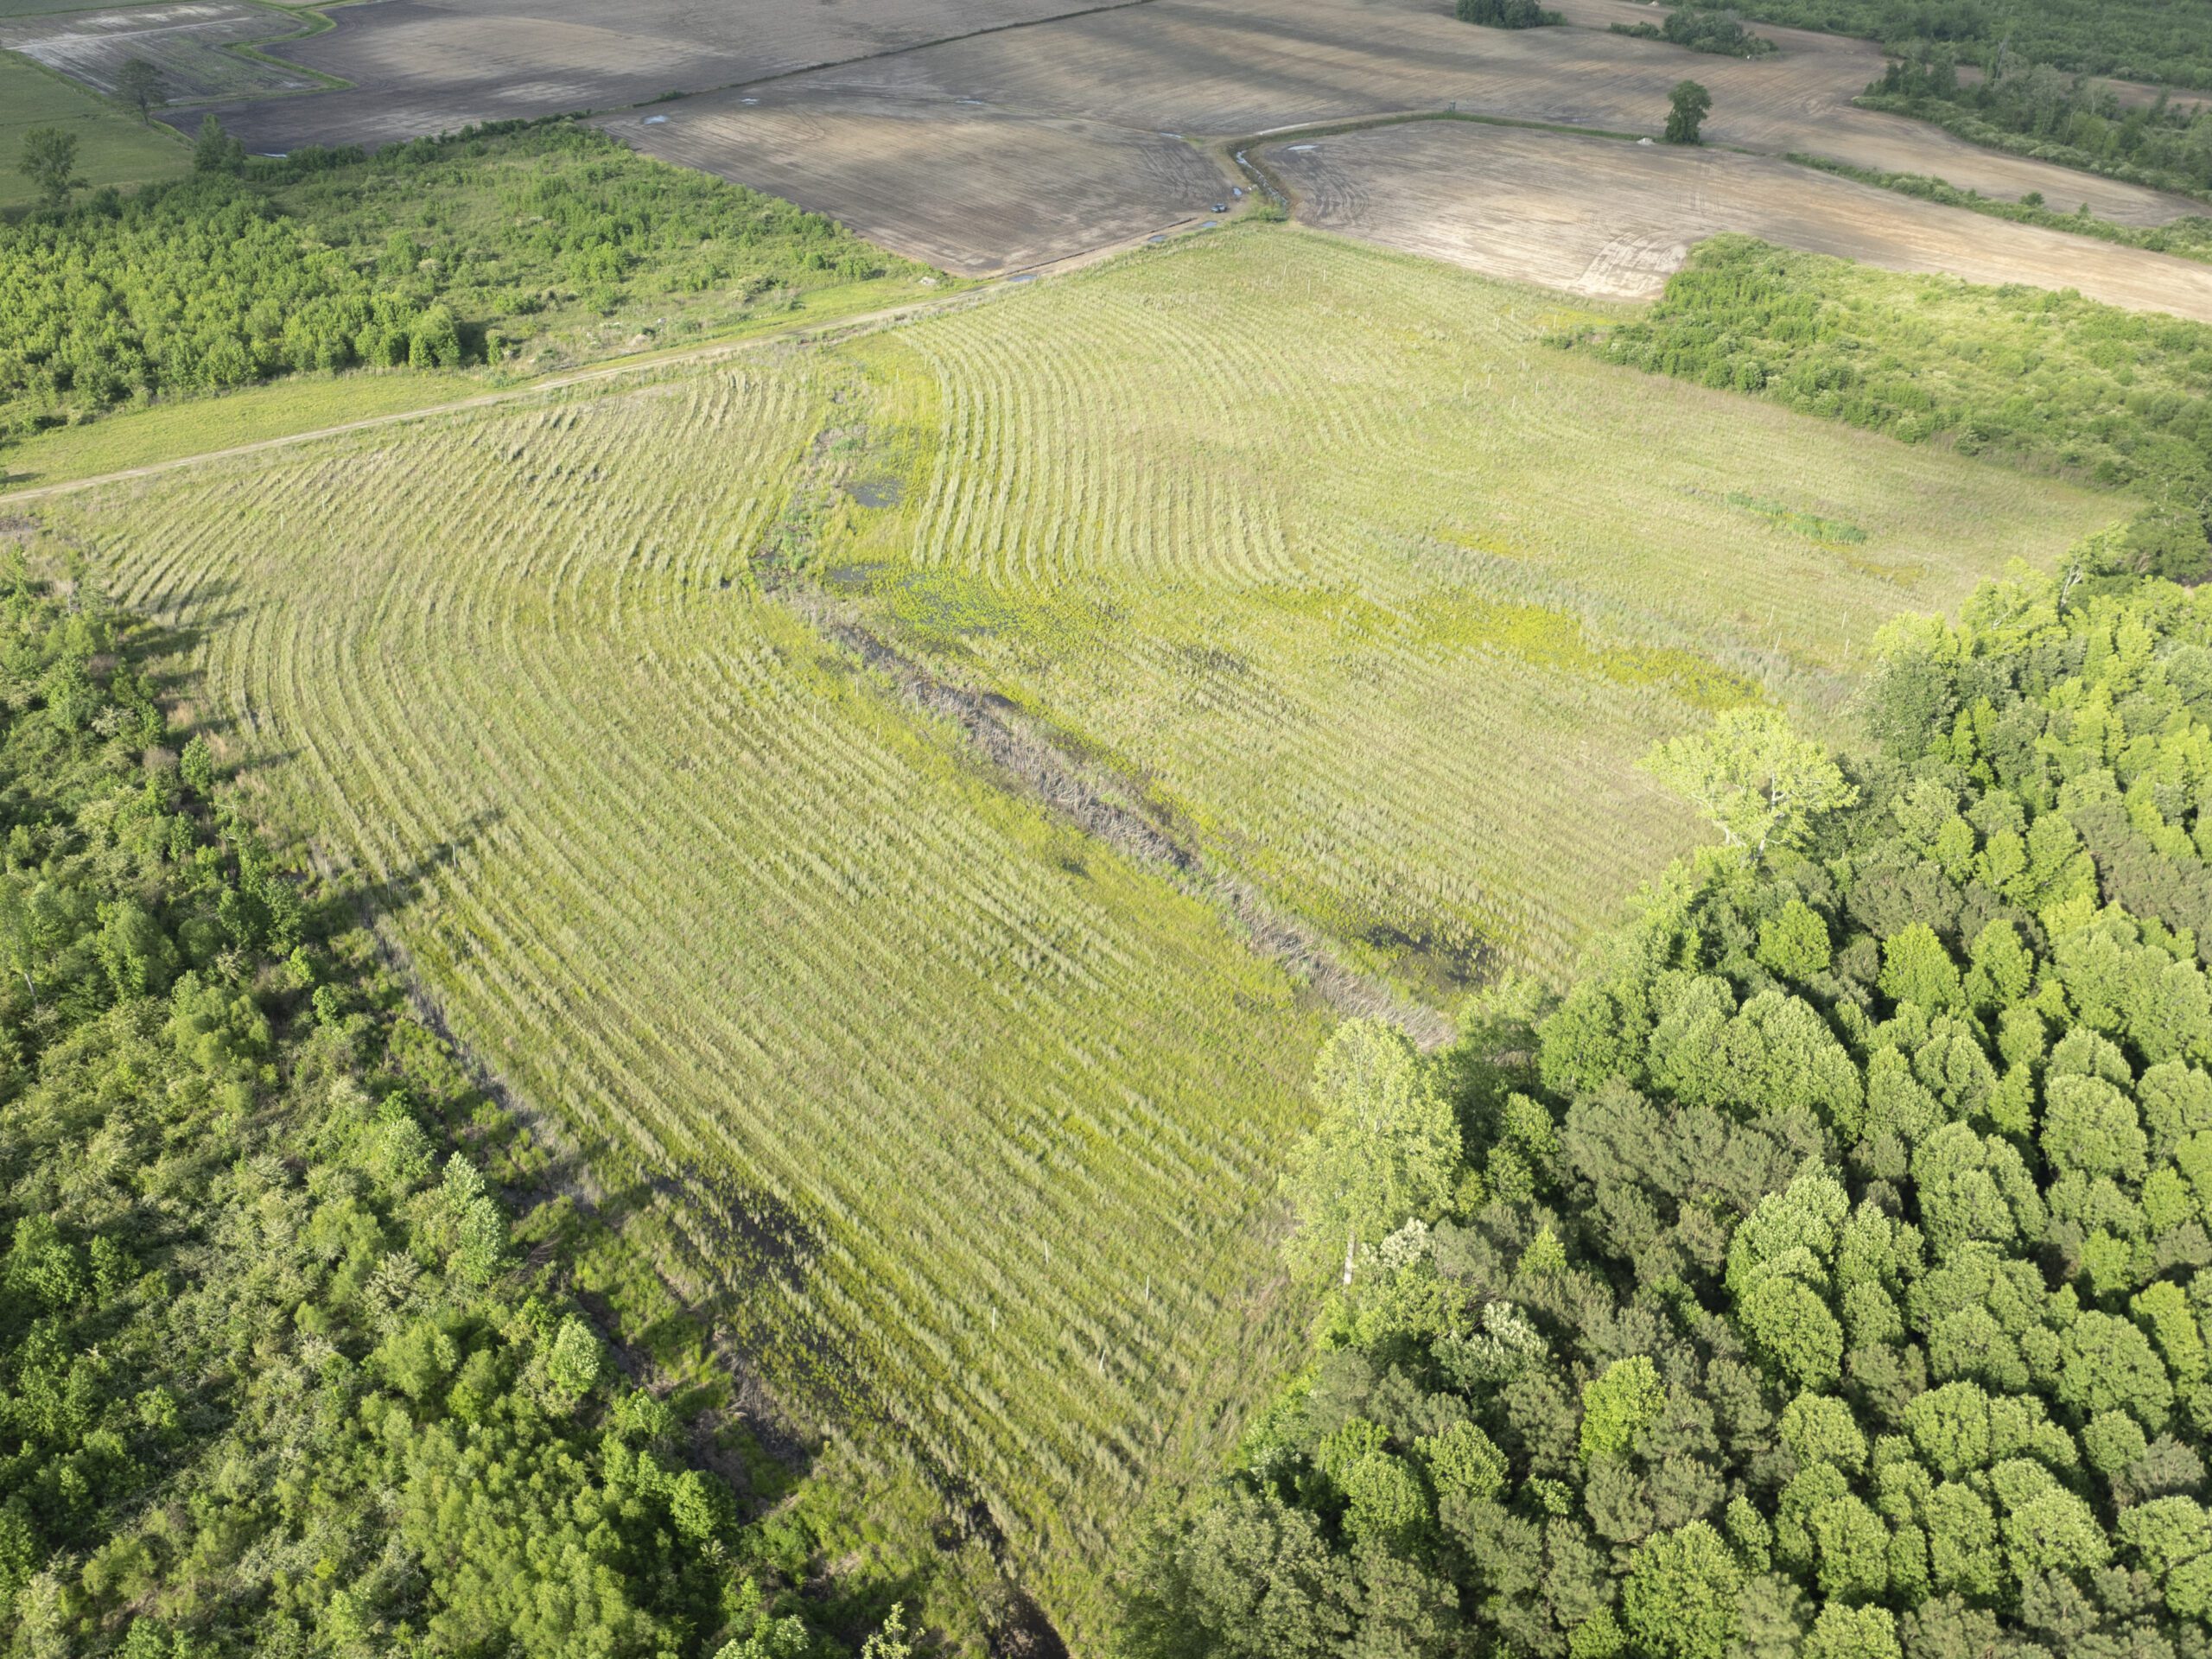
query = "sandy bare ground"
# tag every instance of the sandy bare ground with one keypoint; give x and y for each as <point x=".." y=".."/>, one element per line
<point x="186" y="42"/>
<point x="422" y="66"/>
<point x="969" y="187"/>
<point x="1488" y="198"/>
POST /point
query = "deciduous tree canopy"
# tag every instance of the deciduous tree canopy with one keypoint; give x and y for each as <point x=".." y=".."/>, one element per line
<point x="1830" y="1271"/>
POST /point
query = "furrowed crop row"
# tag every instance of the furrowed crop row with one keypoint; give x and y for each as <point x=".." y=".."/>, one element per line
<point x="1205" y="500"/>
<point x="723" y="909"/>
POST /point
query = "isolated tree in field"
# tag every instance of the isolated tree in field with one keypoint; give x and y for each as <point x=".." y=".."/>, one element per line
<point x="138" y="83"/>
<point x="1387" y="1147"/>
<point x="50" y="161"/>
<point x="215" y="151"/>
<point x="1760" y="784"/>
<point x="1686" y="112"/>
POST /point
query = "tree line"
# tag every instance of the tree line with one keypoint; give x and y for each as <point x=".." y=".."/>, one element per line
<point x="425" y="255"/>
<point x="1720" y="33"/>
<point x="2134" y="39"/>
<point x="2030" y="108"/>
<point x="276" y="1375"/>
<point x="2048" y="380"/>
<point x="1830" y="1271"/>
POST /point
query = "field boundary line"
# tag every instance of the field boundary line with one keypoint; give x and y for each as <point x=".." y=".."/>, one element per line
<point x="1237" y="151"/>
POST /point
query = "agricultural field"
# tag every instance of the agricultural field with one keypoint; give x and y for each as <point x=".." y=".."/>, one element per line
<point x="1006" y="190"/>
<point x="1324" y="600"/>
<point x="194" y="44"/>
<point x="1488" y="197"/>
<point x="419" y="66"/>
<point x="976" y="1121"/>
<point x="113" y="147"/>
<point x="1217" y="72"/>
<point x="974" y="1118"/>
<point x="992" y="139"/>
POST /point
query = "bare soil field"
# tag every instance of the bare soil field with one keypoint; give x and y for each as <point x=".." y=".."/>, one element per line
<point x="1227" y="68"/>
<point x="942" y="129"/>
<point x="1009" y="176"/>
<point x="1490" y="198"/>
<point x="969" y="187"/>
<point x="189" y="44"/>
<point x="421" y="66"/>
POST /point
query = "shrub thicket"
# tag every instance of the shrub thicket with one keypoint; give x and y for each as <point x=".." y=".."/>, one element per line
<point x="1721" y="32"/>
<point x="427" y="254"/>
<point x="2050" y="380"/>
<point x="1507" y="13"/>
<point x="2032" y="108"/>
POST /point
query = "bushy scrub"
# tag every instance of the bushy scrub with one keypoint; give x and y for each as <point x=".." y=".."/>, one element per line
<point x="2050" y="380"/>
<point x="2032" y="108"/>
<point x="426" y="254"/>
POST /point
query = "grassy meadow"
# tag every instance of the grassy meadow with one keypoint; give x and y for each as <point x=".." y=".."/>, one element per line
<point x="976" y="1123"/>
<point x="112" y="146"/>
<point x="967" y="1127"/>
<point x="1377" y="593"/>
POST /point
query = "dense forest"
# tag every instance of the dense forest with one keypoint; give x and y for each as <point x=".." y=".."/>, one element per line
<point x="2157" y="41"/>
<point x="2047" y="380"/>
<point x="276" y="1377"/>
<point x="1829" y="1272"/>
<point x="429" y="254"/>
<point x="2031" y="109"/>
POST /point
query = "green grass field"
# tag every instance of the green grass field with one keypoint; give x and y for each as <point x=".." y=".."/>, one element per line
<point x="978" y="1123"/>
<point x="113" y="147"/>
<point x="1379" y="595"/>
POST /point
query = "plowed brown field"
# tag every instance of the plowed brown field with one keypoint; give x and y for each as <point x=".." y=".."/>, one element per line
<point x="969" y="187"/>
<point x="430" y="66"/>
<point x="996" y="151"/>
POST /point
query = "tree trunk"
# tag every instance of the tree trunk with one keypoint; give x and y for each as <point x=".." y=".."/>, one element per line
<point x="1351" y="1241"/>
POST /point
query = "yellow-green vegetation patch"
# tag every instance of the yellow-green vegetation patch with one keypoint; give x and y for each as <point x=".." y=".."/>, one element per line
<point x="173" y="431"/>
<point x="966" y="1128"/>
<point x="1378" y="596"/>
